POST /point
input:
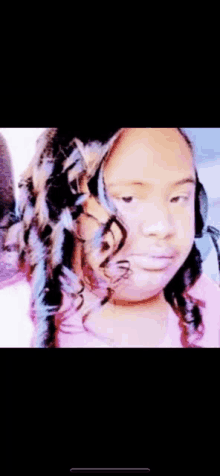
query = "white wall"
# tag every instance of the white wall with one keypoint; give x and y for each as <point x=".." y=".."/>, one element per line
<point x="21" y="143"/>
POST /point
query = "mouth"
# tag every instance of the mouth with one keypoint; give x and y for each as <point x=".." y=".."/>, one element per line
<point x="153" y="263"/>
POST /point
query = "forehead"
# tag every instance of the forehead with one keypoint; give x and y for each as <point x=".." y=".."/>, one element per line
<point x="156" y="155"/>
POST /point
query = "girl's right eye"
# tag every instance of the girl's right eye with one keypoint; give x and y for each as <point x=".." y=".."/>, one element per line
<point x="127" y="199"/>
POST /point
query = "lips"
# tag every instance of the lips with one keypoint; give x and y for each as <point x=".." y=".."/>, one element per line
<point x="152" y="262"/>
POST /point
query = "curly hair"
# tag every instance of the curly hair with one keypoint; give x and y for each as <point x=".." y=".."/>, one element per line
<point x="53" y="188"/>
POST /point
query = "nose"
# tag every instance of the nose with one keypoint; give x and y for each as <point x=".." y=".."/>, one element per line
<point x="156" y="220"/>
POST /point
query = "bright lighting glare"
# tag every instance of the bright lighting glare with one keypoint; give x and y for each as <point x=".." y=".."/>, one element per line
<point x="21" y="143"/>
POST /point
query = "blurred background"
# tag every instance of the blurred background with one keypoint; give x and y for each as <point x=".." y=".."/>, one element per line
<point x="206" y="142"/>
<point x="21" y="144"/>
<point x="17" y="147"/>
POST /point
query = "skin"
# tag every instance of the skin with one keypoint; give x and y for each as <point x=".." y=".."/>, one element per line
<point x="155" y="217"/>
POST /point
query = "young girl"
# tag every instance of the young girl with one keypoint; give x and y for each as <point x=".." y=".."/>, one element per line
<point x="106" y="240"/>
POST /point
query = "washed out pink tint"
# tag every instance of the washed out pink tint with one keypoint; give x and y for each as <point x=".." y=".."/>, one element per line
<point x="19" y="331"/>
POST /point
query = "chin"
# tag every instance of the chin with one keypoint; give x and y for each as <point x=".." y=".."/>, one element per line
<point x="136" y="296"/>
<point x="137" y="292"/>
<point x="144" y="284"/>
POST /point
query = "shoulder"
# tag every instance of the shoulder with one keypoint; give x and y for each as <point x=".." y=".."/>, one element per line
<point x="16" y="326"/>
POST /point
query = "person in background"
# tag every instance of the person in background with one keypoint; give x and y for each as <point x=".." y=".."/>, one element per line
<point x="7" y="208"/>
<point x="106" y="227"/>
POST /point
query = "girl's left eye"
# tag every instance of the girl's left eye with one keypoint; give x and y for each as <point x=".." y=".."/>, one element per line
<point x="181" y="196"/>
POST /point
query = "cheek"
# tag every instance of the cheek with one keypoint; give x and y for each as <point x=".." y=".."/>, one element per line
<point x="185" y="228"/>
<point x="185" y="237"/>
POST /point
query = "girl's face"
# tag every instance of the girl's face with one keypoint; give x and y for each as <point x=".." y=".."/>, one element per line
<point x="150" y="177"/>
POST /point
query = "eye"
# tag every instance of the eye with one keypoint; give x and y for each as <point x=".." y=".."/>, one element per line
<point x="127" y="199"/>
<point x="180" y="196"/>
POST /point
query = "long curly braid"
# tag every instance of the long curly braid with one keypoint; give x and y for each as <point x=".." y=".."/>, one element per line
<point x="46" y="232"/>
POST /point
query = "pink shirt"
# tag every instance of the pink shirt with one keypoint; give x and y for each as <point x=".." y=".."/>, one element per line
<point x="17" y="328"/>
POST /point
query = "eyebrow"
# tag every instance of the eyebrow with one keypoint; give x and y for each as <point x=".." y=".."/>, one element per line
<point x="142" y="184"/>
